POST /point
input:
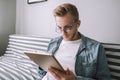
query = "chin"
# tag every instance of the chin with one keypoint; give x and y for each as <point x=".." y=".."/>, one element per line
<point x="67" y="39"/>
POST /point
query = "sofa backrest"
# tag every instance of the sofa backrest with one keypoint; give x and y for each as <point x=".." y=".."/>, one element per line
<point x="19" y="43"/>
<point x="113" y="57"/>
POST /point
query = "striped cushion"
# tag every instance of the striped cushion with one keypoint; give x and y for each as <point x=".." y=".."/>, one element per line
<point x="15" y="65"/>
<point x="113" y="57"/>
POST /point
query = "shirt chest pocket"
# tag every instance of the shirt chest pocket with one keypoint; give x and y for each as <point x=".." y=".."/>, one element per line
<point x="89" y="69"/>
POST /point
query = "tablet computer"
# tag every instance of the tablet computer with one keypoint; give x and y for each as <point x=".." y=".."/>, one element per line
<point x="44" y="60"/>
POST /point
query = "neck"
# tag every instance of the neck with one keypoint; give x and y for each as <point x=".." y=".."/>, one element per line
<point x="75" y="36"/>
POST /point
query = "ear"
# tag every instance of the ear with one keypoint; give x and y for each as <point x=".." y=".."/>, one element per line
<point x="78" y="23"/>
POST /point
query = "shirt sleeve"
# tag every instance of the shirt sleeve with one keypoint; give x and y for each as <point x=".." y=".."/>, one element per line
<point x="103" y="72"/>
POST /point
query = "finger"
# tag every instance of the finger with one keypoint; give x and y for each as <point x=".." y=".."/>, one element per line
<point x="54" y="72"/>
<point x="55" y="75"/>
<point x="51" y="69"/>
<point x="67" y="70"/>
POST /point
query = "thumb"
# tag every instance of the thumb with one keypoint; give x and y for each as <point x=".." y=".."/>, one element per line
<point x="67" y="70"/>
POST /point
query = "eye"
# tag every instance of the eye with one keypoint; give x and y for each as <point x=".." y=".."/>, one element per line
<point x="59" y="28"/>
<point x="68" y="27"/>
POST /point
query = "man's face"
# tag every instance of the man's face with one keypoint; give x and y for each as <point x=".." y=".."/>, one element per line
<point x="67" y="26"/>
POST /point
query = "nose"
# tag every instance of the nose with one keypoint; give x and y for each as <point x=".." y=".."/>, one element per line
<point x="63" y="32"/>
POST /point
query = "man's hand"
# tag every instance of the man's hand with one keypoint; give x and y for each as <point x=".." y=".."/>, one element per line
<point x="61" y="75"/>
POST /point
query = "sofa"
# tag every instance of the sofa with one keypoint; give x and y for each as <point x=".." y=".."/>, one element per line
<point x="15" y="65"/>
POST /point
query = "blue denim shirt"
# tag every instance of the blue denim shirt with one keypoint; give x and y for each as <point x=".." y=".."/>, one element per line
<point x="90" y="64"/>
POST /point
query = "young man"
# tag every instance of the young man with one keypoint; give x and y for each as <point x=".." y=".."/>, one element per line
<point x="81" y="57"/>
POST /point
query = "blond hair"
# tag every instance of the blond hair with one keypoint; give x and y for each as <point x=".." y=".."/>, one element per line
<point x="65" y="8"/>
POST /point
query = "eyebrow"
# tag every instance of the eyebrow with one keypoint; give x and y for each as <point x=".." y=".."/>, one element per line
<point x="64" y="26"/>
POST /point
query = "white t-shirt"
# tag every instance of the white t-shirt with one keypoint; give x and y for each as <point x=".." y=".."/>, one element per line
<point x="66" y="56"/>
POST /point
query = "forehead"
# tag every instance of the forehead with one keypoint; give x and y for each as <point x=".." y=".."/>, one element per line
<point x="64" y="20"/>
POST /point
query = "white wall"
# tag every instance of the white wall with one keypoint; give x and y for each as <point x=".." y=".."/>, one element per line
<point x="7" y="22"/>
<point x="100" y="18"/>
